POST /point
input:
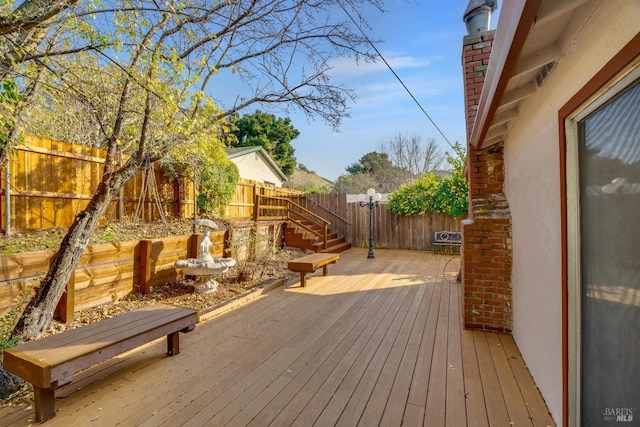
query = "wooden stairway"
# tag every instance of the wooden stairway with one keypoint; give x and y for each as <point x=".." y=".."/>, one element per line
<point x="304" y="229"/>
<point x="299" y="237"/>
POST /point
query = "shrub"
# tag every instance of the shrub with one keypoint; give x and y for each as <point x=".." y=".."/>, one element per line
<point x="217" y="186"/>
<point x="431" y="193"/>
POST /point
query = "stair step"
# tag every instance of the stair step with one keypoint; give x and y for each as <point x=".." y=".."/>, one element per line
<point x="301" y="238"/>
<point x="330" y="242"/>
<point x="307" y="235"/>
<point x="340" y="247"/>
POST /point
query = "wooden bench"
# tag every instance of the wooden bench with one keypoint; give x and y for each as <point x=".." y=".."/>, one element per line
<point x="310" y="263"/>
<point x="447" y="238"/>
<point x="51" y="362"/>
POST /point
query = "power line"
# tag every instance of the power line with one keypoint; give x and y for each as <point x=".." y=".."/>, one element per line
<point x="397" y="77"/>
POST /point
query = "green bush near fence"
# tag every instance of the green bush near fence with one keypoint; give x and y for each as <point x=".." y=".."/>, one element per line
<point x="431" y="193"/>
<point x="217" y="186"/>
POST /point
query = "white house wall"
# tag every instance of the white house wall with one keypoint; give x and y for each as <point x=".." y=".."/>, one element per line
<point x="532" y="185"/>
<point x="252" y="166"/>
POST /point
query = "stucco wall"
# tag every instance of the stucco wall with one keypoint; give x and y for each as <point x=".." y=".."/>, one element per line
<point x="532" y="186"/>
<point x="252" y="166"/>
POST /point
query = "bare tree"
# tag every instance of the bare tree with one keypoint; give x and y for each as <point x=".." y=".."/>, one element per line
<point x="142" y="75"/>
<point x="411" y="154"/>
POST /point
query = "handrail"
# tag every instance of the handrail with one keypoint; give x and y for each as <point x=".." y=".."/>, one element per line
<point x="300" y="211"/>
<point x="316" y="204"/>
<point x="302" y="208"/>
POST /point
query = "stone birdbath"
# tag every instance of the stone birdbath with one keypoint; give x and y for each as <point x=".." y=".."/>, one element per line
<point x="205" y="267"/>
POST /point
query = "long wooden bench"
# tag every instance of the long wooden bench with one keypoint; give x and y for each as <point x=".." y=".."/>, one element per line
<point x="310" y="263"/>
<point x="51" y="362"/>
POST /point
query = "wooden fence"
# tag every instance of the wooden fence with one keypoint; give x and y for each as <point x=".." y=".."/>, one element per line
<point x="107" y="272"/>
<point x="391" y="231"/>
<point x="242" y="204"/>
<point x="49" y="182"/>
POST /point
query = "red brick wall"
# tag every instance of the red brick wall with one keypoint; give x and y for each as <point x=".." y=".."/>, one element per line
<point x="476" y="53"/>
<point x="486" y="248"/>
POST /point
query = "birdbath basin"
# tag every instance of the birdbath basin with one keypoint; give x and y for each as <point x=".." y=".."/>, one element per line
<point x="205" y="271"/>
<point x="205" y="267"/>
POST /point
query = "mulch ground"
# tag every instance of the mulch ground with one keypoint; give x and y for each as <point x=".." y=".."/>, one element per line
<point x="182" y="293"/>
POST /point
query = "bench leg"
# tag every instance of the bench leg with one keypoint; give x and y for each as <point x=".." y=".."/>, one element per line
<point x="173" y="344"/>
<point x="45" y="403"/>
<point x="302" y="279"/>
<point x="325" y="269"/>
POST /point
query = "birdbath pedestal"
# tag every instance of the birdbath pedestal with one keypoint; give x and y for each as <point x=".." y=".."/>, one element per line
<point x="205" y="273"/>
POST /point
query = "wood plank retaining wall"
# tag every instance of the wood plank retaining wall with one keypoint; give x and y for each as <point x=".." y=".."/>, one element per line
<point x="109" y="271"/>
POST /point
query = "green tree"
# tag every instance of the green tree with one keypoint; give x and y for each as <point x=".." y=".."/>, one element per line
<point x="272" y="133"/>
<point x="356" y="183"/>
<point x="373" y="170"/>
<point x="373" y="163"/>
<point x="431" y="193"/>
<point x="417" y="198"/>
<point x="206" y="160"/>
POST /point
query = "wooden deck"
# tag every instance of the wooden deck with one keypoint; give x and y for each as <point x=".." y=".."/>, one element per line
<point x="378" y="342"/>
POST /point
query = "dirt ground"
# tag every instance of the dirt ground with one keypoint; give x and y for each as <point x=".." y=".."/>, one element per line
<point x="181" y="293"/>
<point x="35" y="240"/>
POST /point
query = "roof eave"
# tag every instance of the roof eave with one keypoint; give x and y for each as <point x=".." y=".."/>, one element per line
<point x="516" y="20"/>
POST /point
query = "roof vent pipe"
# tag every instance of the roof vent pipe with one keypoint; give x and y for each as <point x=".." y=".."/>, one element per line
<point x="477" y="17"/>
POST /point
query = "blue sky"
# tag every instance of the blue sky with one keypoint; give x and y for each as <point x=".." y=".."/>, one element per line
<point x="422" y="41"/>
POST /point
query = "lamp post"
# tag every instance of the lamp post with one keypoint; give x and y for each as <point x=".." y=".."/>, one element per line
<point x="374" y="199"/>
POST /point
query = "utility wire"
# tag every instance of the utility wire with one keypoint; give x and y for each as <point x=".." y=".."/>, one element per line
<point x="397" y="77"/>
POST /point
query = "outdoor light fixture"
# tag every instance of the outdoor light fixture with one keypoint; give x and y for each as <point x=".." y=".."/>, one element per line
<point x="374" y="199"/>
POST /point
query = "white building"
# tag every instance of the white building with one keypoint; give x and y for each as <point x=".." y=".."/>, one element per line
<point x="255" y="164"/>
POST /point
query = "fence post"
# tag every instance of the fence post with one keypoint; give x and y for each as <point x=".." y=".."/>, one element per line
<point x="144" y="274"/>
<point x="66" y="305"/>
<point x="256" y="204"/>
<point x="325" y="232"/>
<point x="194" y="246"/>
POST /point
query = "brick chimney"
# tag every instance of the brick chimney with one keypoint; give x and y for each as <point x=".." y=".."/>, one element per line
<point x="486" y="248"/>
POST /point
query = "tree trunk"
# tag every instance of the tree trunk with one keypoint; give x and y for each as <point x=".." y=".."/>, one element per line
<point x="39" y="312"/>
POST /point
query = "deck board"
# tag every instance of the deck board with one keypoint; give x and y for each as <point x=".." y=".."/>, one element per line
<point x="516" y="406"/>
<point x="538" y="412"/>
<point x="437" y="391"/>
<point x="456" y="405"/>
<point x="476" y="410"/>
<point x="496" y="407"/>
<point x="377" y="342"/>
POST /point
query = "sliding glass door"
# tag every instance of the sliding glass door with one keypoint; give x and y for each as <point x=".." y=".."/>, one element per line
<point x="608" y="279"/>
